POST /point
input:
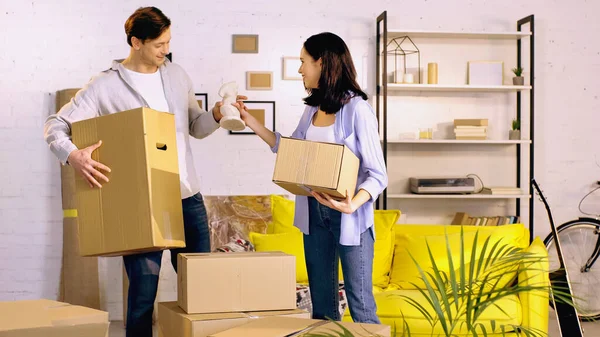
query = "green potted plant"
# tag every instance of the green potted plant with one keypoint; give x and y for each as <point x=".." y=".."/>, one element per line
<point x="515" y="133"/>
<point x="518" y="79"/>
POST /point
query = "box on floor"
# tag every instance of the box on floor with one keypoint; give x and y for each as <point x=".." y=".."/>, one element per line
<point x="46" y="318"/>
<point x="174" y="322"/>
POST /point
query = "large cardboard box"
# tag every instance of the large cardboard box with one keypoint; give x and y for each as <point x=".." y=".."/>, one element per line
<point x="139" y="209"/>
<point x="174" y="322"/>
<point x="288" y="326"/>
<point x="236" y="282"/>
<point x="303" y="165"/>
<point x="46" y="318"/>
<point x="79" y="275"/>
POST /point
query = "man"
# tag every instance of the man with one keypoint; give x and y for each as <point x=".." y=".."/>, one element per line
<point x="144" y="78"/>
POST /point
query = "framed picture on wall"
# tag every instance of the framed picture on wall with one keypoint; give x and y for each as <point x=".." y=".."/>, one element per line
<point x="290" y="68"/>
<point x="202" y="99"/>
<point x="263" y="111"/>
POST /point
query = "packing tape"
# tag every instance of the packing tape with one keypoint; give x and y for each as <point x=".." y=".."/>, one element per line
<point x="69" y="213"/>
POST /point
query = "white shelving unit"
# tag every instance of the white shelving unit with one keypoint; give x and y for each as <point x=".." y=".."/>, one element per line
<point x="434" y="147"/>
<point x="457" y="196"/>
<point x="463" y="88"/>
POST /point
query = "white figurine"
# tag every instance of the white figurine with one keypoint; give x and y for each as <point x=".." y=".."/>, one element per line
<point x="231" y="116"/>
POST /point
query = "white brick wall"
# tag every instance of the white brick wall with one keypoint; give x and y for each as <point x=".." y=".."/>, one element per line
<point x="48" y="46"/>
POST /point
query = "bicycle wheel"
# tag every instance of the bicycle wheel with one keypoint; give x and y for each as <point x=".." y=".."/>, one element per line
<point x="578" y="241"/>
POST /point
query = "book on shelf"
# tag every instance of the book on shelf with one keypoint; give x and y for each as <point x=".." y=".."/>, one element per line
<point x="471" y="122"/>
<point x="502" y="190"/>
<point x="464" y="219"/>
<point x="470" y="129"/>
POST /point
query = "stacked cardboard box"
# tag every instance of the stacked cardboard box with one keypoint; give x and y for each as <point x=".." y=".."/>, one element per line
<point x="218" y="291"/>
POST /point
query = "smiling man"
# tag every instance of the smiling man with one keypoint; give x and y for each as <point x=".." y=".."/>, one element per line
<point x="146" y="78"/>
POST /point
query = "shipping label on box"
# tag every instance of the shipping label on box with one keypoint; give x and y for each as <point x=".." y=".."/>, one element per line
<point x="139" y="209"/>
<point x="302" y="166"/>
<point x="236" y="282"/>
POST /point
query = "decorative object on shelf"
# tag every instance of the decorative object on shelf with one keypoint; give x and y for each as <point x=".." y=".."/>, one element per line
<point x="202" y="99"/>
<point x="425" y="133"/>
<point x="259" y="80"/>
<point x="263" y="111"/>
<point x="432" y="73"/>
<point x="395" y="47"/>
<point x="409" y="78"/>
<point x="470" y="129"/>
<point x="291" y="64"/>
<point x="244" y="44"/>
<point x="486" y="72"/>
<point x="518" y="79"/>
<point x="515" y="133"/>
<point x="231" y="116"/>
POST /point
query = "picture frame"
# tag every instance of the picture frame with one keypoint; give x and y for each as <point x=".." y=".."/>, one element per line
<point x="263" y="111"/>
<point x="244" y="44"/>
<point x="485" y="73"/>
<point x="291" y="64"/>
<point x="202" y="99"/>
<point x="259" y="80"/>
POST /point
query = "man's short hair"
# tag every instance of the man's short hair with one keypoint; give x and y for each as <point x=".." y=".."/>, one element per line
<point x="146" y="23"/>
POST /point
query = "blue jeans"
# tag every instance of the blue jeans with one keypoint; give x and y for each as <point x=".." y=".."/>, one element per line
<point x="322" y="251"/>
<point x="143" y="269"/>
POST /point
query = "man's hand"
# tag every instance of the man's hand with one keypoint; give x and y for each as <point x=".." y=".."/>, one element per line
<point x="239" y="104"/>
<point x="84" y="165"/>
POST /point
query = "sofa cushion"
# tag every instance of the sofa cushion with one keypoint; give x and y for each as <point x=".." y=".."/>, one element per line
<point x="392" y="307"/>
<point x="385" y="220"/>
<point x="289" y="243"/>
<point x="411" y="240"/>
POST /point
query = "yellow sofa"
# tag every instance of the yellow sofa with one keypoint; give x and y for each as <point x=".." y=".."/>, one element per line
<point x="395" y="275"/>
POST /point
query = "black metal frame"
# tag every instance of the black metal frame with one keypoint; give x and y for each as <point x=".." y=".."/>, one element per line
<point x="381" y="106"/>
<point x="527" y="20"/>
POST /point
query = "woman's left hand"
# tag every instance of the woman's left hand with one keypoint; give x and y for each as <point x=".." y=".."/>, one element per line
<point x="344" y="206"/>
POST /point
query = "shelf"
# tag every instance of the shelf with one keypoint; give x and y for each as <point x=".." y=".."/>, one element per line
<point x="454" y="141"/>
<point x="394" y="33"/>
<point x="457" y="196"/>
<point x="460" y="87"/>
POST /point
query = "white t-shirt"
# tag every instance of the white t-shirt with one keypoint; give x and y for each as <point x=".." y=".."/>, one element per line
<point x="321" y="133"/>
<point x="150" y="86"/>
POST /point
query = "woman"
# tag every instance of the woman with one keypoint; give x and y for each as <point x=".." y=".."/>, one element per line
<point x="337" y="112"/>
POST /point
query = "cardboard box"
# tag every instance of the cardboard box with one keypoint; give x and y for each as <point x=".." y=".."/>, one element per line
<point x="287" y="326"/>
<point x="236" y="282"/>
<point x="79" y="275"/>
<point x="303" y="165"/>
<point x="174" y="322"/>
<point x="139" y="209"/>
<point x="51" y="319"/>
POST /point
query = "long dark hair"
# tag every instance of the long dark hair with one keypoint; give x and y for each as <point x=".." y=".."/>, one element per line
<point x="337" y="83"/>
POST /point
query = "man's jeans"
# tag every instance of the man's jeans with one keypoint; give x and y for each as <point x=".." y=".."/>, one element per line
<point x="143" y="269"/>
<point x="323" y="251"/>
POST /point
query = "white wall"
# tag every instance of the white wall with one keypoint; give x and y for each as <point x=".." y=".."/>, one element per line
<point x="48" y="46"/>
